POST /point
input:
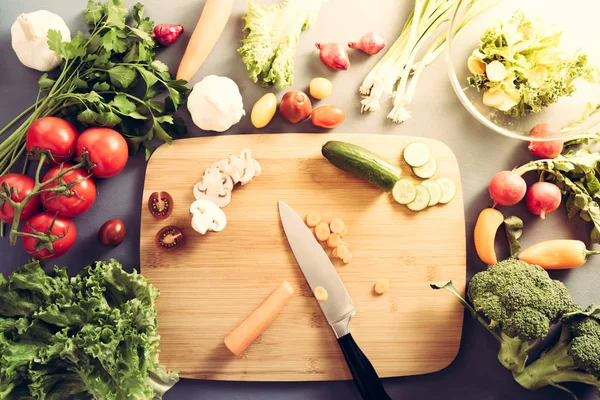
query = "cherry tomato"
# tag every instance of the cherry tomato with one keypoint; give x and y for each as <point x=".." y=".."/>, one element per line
<point x="328" y="116"/>
<point x="52" y="134"/>
<point x="107" y="149"/>
<point x="160" y="205"/>
<point x="22" y="185"/>
<point x="83" y="193"/>
<point x="169" y="238"/>
<point x="112" y="233"/>
<point x="43" y="223"/>
<point x="295" y="106"/>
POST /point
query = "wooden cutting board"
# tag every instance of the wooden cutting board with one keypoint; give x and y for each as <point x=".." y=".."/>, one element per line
<point x="210" y="286"/>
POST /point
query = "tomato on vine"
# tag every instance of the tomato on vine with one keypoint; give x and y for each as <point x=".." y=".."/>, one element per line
<point x="82" y="194"/>
<point x="54" y="135"/>
<point x="47" y="236"/>
<point x="19" y="186"/>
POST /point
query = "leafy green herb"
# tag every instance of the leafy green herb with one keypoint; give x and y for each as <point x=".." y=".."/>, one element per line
<point x="96" y="84"/>
<point x="93" y="334"/>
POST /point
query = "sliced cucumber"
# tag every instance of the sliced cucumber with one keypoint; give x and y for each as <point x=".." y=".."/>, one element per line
<point x="404" y="191"/>
<point x="420" y="202"/>
<point x="416" y="154"/>
<point x="448" y="189"/>
<point x="426" y="171"/>
<point x="435" y="191"/>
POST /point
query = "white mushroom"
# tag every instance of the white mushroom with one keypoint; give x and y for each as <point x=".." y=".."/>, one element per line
<point x="232" y="166"/>
<point x="207" y="216"/>
<point x="253" y="168"/>
<point x="214" y="186"/>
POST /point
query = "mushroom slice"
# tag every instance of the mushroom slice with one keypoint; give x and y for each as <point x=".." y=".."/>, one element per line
<point x="214" y="186"/>
<point x="207" y="216"/>
<point x="232" y="166"/>
<point x="253" y="168"/>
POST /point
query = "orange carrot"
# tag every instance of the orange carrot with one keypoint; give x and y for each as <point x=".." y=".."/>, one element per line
<point x="321" y="294"/>
<point x="348" y="258"/>
<point x="487" y="225"/>
<point x="256" y="323"/>
<point x="334" y="240"/>
<point x="322" y="231"/>
<point x="313" y="218"/>
<point x="343" y="251"/>
<point x="334" y="253"/>
<point x="337" y="225"/>
<point x="381" y="286"/>
<point x="208" y="29"/>
<point x="557" y="254"/>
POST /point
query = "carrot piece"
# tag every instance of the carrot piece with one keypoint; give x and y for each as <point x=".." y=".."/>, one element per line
<point x="334" y="253"/>
<point x="337" y="225"/>
<point x="321" y="294"/>
<point x="334" y="240"/>
<point x="348" y="258"/>
<point x="343" y="251"/>
<point x="256" y="323"/>
<point x="344" y="232"/>
<point x="381" y="286"/>
<point x="322" y="231"/>
<point x="213" y="19"/>
<point x="313" y="218"/>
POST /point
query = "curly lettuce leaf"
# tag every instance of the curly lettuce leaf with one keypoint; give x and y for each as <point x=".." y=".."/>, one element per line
<point x="271" y="34"/>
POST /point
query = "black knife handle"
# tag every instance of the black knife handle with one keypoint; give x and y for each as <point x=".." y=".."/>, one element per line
<point x="368" y="383"/>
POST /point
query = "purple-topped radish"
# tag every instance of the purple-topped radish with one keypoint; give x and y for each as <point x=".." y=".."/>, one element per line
<point x="507" y="188"/>
<point x="542" y="198"/>
<point x="551" y="149"/>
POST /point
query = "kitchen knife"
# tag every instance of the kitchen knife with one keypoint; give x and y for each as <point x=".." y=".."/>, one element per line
<point x="338" y="308"/>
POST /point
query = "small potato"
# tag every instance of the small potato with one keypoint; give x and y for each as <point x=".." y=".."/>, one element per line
<point x="320" y="88"/>
<point x="263" y="110"/>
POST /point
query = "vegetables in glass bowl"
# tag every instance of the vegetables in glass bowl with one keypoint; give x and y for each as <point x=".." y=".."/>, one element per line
<point x="526" y="62"/>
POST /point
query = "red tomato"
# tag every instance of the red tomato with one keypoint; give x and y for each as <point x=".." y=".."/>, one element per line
<point x="328" y="116"/>
<point x="23" y="185"/>
<point x="83" y="193"/>
<point x="107" y="149"/>
<point x="41" y="223"/>
<point x="54" y="135"/>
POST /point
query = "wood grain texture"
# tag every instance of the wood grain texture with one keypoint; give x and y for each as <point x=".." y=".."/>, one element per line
<point x="212" y="284"/>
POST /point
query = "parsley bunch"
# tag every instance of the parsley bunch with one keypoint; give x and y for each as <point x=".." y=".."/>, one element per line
<point x="97" y="83"/>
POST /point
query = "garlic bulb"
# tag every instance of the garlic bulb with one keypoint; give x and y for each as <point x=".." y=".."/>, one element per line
<point x="30" y="42"/>
<point x="215" y="103"/>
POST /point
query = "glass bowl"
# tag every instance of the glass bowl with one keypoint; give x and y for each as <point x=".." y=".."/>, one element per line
<point x="576" y="18"/>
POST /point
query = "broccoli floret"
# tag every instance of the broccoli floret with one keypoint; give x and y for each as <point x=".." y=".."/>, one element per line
<point x="574" y="358"/>
<point x="517" y="302"/>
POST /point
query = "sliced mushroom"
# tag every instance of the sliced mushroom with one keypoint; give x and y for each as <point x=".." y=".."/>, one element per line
<point x="232" y="166"/>
<point x="207" y="216"/>
<point x="214" y="186"/>
<point x="253" y="168"/>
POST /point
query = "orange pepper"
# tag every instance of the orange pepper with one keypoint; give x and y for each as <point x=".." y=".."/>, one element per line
<point x="487" y="225"/>
<point x="557" y="254"/>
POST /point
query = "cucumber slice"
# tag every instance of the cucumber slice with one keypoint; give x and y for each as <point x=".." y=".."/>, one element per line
<point x="435" y="191"/>
<point x="426" y="171"/>
<point x="448" y="189"/>
<point x="421" y="201"/>
<point x="404" y="191"/>
<point x="416" y="154"/>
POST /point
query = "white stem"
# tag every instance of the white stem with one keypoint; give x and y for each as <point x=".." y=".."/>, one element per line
<point x="27" y="27"/>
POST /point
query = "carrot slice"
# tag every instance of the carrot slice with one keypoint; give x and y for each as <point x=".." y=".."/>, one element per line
<point x="313" y="218"/>
<point x="343" y="251"/>
<point x="321" y="294"/>
<point x="348" y="258"/>
<point x="256" y="323"/>
<point x="334" y="240"/>
<point x="322" y="231"/>
<point x="337" y="225"/>
<point x="334" y="253"/>
<point x="381" y="286"/>
<point x="344" y="232"/>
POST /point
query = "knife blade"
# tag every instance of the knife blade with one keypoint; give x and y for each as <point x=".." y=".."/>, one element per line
<point x="338" y="308"/>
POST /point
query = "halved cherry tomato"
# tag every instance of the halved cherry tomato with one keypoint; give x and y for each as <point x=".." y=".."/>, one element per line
<point x="112" y="233"/>
<point x="22" y="186"/>
<point x="107" y="149"/>
<point x="83" y="194"/>
<point x="169" y="238"/>
<point x="328" y="116"/>
<point x="45" y="222"/>
<point x="160" y="205"/>
<point x="52" y="134"/>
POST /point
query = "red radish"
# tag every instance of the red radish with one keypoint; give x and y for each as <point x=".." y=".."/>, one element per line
<point x="334" y="56"/>
<point x="507" y="188"/>
<point x="543" y="198"/>
<point x="371" y="43"/>
<point x="167" y="34"/>
<point x="549" y="149"/>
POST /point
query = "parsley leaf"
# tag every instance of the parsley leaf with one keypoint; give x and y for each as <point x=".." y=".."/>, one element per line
<point x="115" y="40"/>
<point x="94" y="13"/>
<point x="45" y="82"/>
<point x="121" y="77"/>
<point x="116" y="12"/>
<point x="55" y="41"/>
<point x="123" y="104"/>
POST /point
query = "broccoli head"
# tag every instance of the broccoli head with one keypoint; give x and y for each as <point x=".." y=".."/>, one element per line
<point x="517" y="302"/>
<point x="574" y="358"/>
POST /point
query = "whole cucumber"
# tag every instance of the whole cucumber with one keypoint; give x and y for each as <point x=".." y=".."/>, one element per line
<point x="362" y="163"/>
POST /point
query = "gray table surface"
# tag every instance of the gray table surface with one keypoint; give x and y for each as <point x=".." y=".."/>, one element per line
<point x="436" y="113"/>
